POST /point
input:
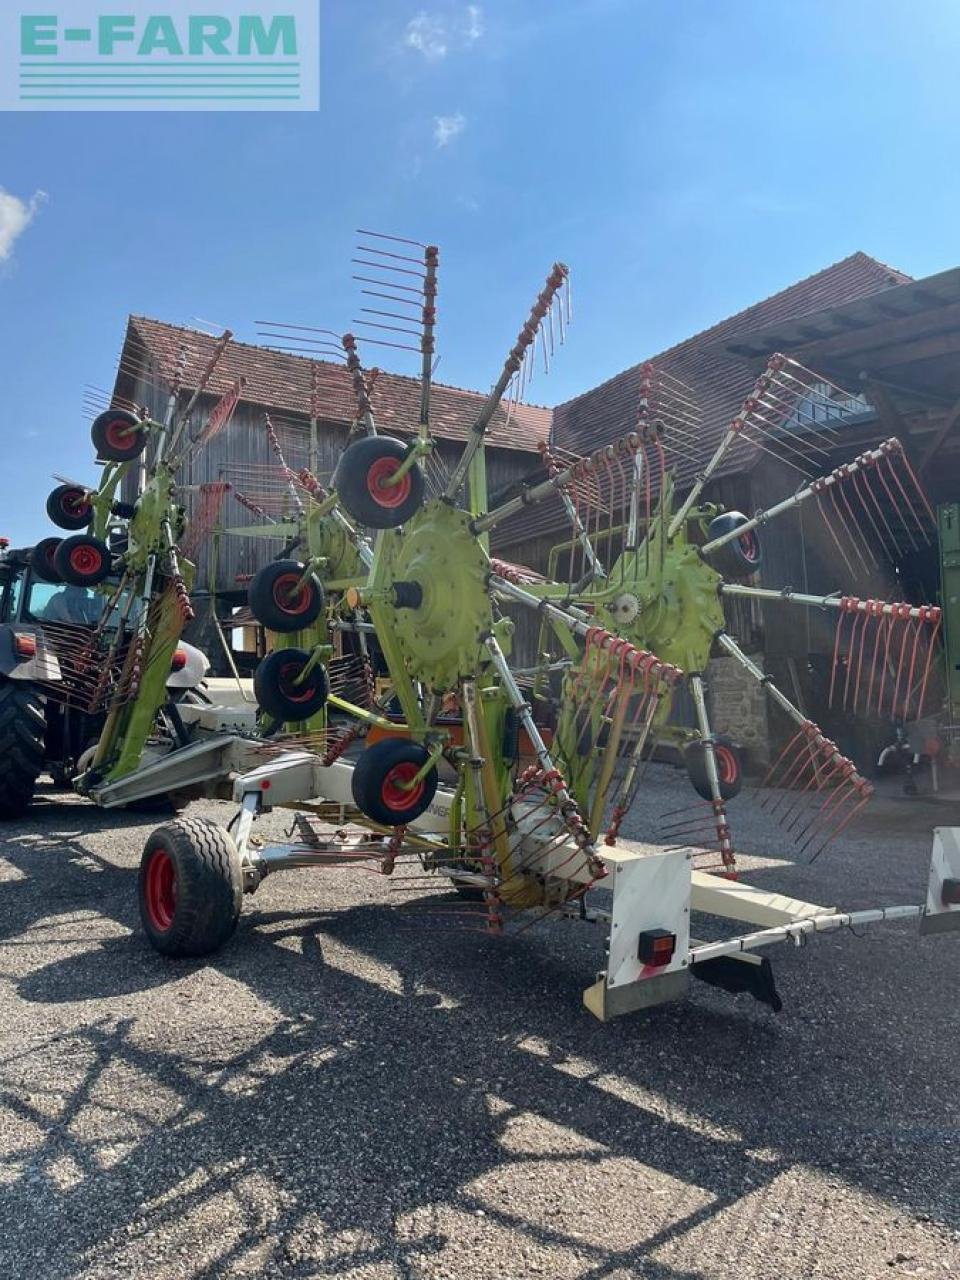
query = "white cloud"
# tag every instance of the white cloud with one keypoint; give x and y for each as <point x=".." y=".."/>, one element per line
<point x="428" y="35"/>
<point x="15" y="216"/>
<point x="474" y="22"/>
<point x="435" y="34"/>
<point x="446" y="128"/>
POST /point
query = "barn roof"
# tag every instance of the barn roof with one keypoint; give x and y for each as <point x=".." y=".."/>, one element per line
<point x="282" y="382"/>
<point x="719" y="380"/>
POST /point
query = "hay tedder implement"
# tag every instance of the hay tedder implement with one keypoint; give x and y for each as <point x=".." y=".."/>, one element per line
<point x="423" y="751"/>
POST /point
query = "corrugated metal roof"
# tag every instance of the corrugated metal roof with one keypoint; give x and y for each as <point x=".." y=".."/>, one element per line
<point x="282" y="382"/>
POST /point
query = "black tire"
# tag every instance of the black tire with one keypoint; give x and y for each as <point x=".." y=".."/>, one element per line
<point x="359" y="478"/>
<point x="739" y="558"/>
<point x="729" y="767"/>
<point x="377" y="779"/>
<point x="82" y="561"/>
<point x="276" y="602"/>
<point x="42" y="560"/>
<point x="22" y="728"/>
<point x="190" y="888"/>
<point x="118" y="436"/>
<point x="277" y="693"/>
<point x="69" y="507"/>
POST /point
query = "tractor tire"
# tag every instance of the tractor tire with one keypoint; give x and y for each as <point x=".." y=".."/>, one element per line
<point x="69" y="507"/>
<point x="83" y="561"/>
<point x="729" y="767"/>
<point x="277" y="693"/>
<point x="360" y="482"/>
<point x="41" y="560"/>
<point x="739" y="558"/>
<point x="118" y="436"/>
<point x="378" y="782"/>
<point x="276" y="601"/>
<point x="191" y="887"/>
<point x="22" y="728"/>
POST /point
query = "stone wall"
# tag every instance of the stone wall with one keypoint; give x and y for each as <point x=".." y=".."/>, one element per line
<point x="738" y="706"/>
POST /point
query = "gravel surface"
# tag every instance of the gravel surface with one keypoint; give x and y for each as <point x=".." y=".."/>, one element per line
<point x="355" y="1091"/>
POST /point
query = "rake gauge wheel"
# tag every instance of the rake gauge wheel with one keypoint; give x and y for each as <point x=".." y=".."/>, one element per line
<point x="41" y="560"/>
<point x="362" y="482"/>
<point x="739" y="558"/>
<point x="82" y="561"/>
<point x="282" y="600"/>
<point x="118" y="436"/>
<point x="69" y="507"/>
<point x="383" y="782"/>
<point x="278" y="693"/>
<point x="729" y="767"/>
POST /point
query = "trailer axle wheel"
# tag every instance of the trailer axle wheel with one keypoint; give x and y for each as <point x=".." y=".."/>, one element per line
<point x="191" y="887"/>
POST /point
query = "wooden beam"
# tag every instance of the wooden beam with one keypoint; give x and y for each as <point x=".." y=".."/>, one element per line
<point x="883" y="335"/>
<point x="890" y="417"/>
<point x="933" y="448"/>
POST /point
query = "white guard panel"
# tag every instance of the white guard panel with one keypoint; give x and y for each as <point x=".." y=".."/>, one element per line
<point x="650" y="891"/>
<point x="944" y="865"/>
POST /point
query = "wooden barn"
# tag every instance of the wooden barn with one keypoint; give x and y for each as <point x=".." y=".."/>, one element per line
<point x="292" y="390"/>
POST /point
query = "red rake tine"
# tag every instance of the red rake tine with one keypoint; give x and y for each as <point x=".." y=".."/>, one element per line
<point x="882" y="514"/>
<point x="893" y="501"/>
<point x="833" y="535"/>
<point x="926" y="673"/>
<point x="882" y="626"/>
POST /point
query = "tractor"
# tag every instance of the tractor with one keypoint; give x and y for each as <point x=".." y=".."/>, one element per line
<point x="48" y="636"/>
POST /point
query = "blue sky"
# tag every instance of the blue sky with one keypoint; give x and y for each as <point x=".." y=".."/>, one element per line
<point x="685" y="158"/>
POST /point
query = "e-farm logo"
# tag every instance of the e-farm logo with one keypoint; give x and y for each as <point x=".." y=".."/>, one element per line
<point x="172" y="55"/>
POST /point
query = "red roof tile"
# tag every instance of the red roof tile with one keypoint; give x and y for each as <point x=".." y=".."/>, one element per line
<point x="282" y="382"/>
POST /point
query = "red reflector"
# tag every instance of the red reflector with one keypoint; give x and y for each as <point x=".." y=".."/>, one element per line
<point x="179" y="660"/>
<point x="950" y="893"/>
<point x="265" y="785"/>
<point x="4" y="542"/>
<point x="656" y="946"/>
<point x="25" y="645"/>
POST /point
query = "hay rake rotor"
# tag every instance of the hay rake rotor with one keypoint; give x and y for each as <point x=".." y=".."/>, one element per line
<point x="670" y="563"/>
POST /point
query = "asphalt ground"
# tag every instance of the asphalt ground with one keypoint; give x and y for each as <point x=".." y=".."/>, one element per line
<point x="353" y="1090"/>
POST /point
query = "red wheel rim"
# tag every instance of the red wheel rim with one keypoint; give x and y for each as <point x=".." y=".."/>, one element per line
<point x="395" y="790"/>
<point x="74" y="503"/>
<point x="119" y="434"/>
<point x="749" y="546"/>
<point x="160" y="890"/>
<point x="286" y="676"/>
<point x="290" y="597"/>
<point x="85" y="560"/>
<point x="383" y="494"/>
<point x="726" y="765"/>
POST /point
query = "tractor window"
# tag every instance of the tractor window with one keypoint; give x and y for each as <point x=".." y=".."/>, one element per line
<point x="11" y="598"/>
<point x="38" y="598"/>
<point x="50" y="602"/>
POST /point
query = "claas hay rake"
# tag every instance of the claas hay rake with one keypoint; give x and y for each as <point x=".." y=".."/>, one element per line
<point x="512" y="786"/>
<point x="126" y="567"/>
